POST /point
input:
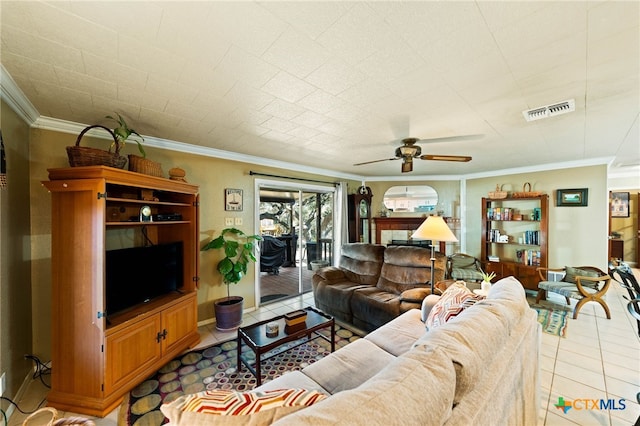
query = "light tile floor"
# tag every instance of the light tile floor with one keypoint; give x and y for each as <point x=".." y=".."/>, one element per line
<point x="599" y="359"/>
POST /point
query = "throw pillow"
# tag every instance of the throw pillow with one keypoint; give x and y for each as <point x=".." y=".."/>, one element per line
<point x="238" y="407"/>
<point x="453" y="301"/>
<point x="572" y="273"/>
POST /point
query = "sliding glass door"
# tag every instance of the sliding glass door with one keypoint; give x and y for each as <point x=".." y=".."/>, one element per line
<point x="296" y="222"/>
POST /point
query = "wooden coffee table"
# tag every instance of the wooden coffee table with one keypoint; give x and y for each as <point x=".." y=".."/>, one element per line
<point x="255" y="336"/>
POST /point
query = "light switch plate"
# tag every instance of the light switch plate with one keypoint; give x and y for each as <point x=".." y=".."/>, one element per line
<point x="228" y="221"/>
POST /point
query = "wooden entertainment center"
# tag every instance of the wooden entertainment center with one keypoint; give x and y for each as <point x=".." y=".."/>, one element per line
<point x="98" y="356"/>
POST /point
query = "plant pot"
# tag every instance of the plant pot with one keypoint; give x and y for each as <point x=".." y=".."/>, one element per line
<point x="228" y="312"/>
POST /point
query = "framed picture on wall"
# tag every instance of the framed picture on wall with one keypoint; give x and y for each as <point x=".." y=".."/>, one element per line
<point x="572" y="197"/>
<point x="233" y="200"/>
<point x="619" y="204"/>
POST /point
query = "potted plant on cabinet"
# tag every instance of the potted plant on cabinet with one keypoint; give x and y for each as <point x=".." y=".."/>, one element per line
<point x="239" y="250"/>
<point x="123" y="132"/>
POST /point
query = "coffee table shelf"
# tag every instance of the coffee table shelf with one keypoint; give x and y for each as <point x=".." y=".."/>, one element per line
<point x="255" y="337"/>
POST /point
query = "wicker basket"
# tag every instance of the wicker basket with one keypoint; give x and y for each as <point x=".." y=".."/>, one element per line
<point x="142" y="165"/>
<point x="527" y="193"/>
<point x="498" y="194"/>
<point x="53" y="420"/>
<point x="84" y="156"/>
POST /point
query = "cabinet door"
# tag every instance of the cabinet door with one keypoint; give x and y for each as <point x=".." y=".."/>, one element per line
<point x="528" y="276"/>
<point x="494" y="267"/>
<point x="77" y="258"/>
<point x="131" y="350"/>
<point x="180" y="323"/>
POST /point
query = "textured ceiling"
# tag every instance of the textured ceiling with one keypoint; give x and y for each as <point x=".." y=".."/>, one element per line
<point x="330" y="84"/>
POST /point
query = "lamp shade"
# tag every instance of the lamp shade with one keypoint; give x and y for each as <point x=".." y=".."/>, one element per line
<point x="435" y="229"/>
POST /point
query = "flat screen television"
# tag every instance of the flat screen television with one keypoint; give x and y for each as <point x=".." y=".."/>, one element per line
<point x="139" y="274"/>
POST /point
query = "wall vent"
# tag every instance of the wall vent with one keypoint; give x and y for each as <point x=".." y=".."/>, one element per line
<point x="550" y="110"/>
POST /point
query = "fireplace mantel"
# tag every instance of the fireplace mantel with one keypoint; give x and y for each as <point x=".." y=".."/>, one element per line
<point x="401" y="223"/>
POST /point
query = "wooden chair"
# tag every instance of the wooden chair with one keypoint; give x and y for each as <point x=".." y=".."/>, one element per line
<point x="583" y="283"/>
<point x="461" y="266"/>
<point x="627" y="280"/>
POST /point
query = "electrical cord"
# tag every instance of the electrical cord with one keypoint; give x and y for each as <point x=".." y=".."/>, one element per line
<point x="12" y="402"/>
<point x="41" y="369"/>
<point x="148" y="241"/>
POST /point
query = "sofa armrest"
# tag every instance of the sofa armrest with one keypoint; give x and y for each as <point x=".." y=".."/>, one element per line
<point x="427" y="304"/>
<point x="330" y="274"/>
<point x="415" y="295"/>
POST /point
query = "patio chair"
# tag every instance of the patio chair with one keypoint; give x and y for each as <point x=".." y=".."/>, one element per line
<point x="627" y="280"/>
<point x="583" y="283"/>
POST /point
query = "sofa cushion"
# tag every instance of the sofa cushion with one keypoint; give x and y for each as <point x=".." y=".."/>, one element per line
<point x="291" y="380"/>
<point x="408" y="391"/>
<point x="371" y="307"/>
<point x="571" y="273"/>
<point x="348" y="367"/>
<point x="336" y="298"/>
<point x="404" y="268"/>
<point x="362" y="262"/>
<point x="398" y="335"/>
<point x="237" y="408"/>
<point x="453" y="301"/>
<point x="470" y="338"/>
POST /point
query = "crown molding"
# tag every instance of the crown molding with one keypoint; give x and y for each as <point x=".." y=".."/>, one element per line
<point x="15" y="98"/>
<point x="54" y="124"/>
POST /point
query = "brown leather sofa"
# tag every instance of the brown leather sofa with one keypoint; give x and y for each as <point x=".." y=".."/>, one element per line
<point x="374" y="284"/>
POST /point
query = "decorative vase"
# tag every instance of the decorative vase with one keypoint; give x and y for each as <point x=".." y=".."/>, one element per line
<point x="485" y="286"/>
<point x="228" y="312"/>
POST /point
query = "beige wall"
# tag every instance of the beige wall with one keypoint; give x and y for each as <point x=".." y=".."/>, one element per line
<point x="577" y="235"/>
<point x="15" y="256"/>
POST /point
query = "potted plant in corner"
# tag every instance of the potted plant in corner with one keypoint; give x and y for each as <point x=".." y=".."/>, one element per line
<point x="238" y="252"/>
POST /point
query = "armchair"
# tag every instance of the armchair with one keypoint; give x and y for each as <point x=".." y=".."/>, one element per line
<point x="583" y="283"/>
<point x="461" y="266"/>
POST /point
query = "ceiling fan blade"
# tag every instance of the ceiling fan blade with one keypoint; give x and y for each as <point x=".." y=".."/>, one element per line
<point x="452" y="138"/>
<point x="460" y="158"/>
<point x="376" y="161"/>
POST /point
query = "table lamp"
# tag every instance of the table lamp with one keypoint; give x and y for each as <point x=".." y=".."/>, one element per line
<point x="434" y="229"/>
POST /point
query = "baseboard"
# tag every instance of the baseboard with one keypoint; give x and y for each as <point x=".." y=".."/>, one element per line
<point x="22" y="390"/>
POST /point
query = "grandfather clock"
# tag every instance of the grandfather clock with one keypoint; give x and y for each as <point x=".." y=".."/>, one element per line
<point x="360" y="215"/>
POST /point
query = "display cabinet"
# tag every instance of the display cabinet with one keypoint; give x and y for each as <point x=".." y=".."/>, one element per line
<point x="514" y="237"/>
<point x="359" y="210"/>
<point x="97" y="356"/>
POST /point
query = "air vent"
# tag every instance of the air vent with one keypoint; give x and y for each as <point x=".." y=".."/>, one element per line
<point x="550" y="110"/>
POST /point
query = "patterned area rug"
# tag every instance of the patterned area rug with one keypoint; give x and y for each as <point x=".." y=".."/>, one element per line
<point x="553" y="321"/>
<point x="215" y="368"/>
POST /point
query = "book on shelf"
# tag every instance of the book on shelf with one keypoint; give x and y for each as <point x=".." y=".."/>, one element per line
<point x="493" y="258"/>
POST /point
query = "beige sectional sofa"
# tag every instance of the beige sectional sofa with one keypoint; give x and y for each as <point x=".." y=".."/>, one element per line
<point x="478" y="368"/>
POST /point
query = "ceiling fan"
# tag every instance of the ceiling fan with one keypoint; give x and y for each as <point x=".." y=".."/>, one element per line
<point x="409" y="150"/>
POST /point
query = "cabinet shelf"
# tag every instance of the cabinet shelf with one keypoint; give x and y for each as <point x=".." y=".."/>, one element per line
<point x="154" y="223"/>
<point x="146" y="202"/>
<point x="512" y="220"/>
<point x="513" y="244"/>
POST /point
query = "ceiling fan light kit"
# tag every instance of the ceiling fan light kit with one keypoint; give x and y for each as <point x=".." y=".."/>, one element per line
<point x="409" y="150"/>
